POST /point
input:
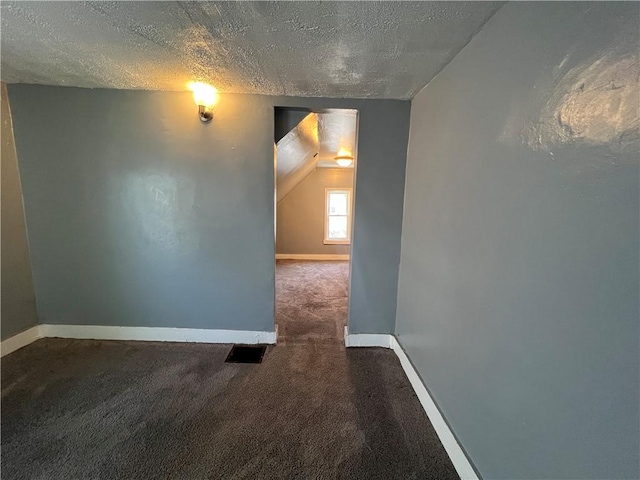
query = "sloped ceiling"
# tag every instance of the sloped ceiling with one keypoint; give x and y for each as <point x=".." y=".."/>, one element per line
<point x="330" y="49"/>
<point x="336" y="135"/>
<point x="296" y="155"/>
<point x="314" y="142"/>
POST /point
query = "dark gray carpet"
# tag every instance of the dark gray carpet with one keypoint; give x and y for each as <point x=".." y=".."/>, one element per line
<point x="311" y="301"/>
<point x="78" y="409"/>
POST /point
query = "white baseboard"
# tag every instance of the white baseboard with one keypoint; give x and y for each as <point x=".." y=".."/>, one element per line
<point x="158" y="334"/>
<point x="310" y="256"/>
<point x="448" y="440"/>
<point x="148" y="334"/>
<point x="367" y="339"/>
<point x="20" y="340"/>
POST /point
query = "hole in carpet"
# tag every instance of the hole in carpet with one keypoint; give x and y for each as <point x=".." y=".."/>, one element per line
<point x="246" y="354"/>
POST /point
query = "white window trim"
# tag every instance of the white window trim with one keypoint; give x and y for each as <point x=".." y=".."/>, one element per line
<point x="346" y="241"/>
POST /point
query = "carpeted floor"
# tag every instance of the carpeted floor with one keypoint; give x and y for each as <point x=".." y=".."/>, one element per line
<point x="311" y="301"/>
<point x="79" y="409"/>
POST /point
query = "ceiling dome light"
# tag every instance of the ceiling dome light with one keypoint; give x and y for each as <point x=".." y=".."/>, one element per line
<point x="344" y="158"/>
<point x="344" y="161"/>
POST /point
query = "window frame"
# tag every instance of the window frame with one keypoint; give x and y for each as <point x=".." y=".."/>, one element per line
<point x="341" y="241"/>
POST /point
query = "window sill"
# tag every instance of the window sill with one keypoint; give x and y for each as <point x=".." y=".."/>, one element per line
<point x="337" y="242"/>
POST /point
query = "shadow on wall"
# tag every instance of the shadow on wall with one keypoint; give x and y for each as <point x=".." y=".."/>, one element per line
<point x="18" y="297"/>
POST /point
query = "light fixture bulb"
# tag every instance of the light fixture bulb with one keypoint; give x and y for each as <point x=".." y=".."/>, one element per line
<point x="204" y="94"/>
<point x="344" y="158"/>
<point x="205" y="97"/>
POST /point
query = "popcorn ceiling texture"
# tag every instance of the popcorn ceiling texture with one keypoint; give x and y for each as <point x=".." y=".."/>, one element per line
<point x="324" y="49"/>
<point x="314" y="142"/>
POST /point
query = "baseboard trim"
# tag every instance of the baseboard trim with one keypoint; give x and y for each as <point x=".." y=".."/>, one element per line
<point x="305" y="256"/>
<point x="157" y="334"/>
<point x="448" y="440"/>
<point x="367" y="339"/>
<point x="20" y="340"/>
<point x="459" y="459"/>
<point x="148" y="334"/>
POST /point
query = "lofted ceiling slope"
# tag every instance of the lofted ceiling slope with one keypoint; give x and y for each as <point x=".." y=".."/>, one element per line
<point x="314" y="142"/>
<point x="325" y="49"/>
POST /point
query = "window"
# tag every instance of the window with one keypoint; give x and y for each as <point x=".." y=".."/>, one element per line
<point x="337" y="220"/>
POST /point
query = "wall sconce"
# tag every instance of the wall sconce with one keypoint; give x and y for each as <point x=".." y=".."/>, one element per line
<point x="344" y="158"/>
<point x="205" y="97"/>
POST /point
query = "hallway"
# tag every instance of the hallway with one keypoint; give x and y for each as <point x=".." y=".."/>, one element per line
<point x="312" y="299"/>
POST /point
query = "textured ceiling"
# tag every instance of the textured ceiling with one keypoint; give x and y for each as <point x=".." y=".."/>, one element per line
<point x="330" y="49"/>
<point x="314" y="142"/>
<point x="336" y="135"/>
<point x="296" y="155"/>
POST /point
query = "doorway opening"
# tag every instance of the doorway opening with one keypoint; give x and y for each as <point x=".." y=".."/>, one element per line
<point x="315" y="161"/>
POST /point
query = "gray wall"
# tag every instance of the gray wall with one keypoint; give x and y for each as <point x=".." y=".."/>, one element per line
<point x="518" y="293"/>
<point x="18" y="299"/>
<point x="383" y="130"/>
<point x="300" y="219"/>
<point x="138" y="214"/>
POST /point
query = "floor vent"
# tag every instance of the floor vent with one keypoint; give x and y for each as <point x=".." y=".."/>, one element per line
<point x="246" y="354"/>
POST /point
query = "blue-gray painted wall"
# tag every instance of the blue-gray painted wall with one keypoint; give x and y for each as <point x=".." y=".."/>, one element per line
<point x="140" y="215"/>
<point x="519" y="291"/>
<point x="18" y="298"/>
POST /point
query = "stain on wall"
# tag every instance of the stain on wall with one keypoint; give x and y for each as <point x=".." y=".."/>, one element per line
<point x="519" y="284"/>
<point x="300" y="226"/>
<point x="18" y="298"/>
